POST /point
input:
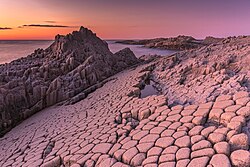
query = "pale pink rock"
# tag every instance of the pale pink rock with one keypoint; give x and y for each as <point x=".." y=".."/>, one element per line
<point x="150" y="160"/>
<point x="224" y="98"/>
<point x="206" y="131"/>
<point x="233" y="108"/>
<point x="144" y="147"/>
<point x="195" y="130"/>
<point x="179" y="134"/>
<point x="138" y="159"/>
<point x="240" y="158"/>
<point x="154" y="151"/>
<point x="168" y="164"/>
<point x="170" y="150"/>
<point x="174" y="118"/>
<point x="129" y="144"/>
<point x="102" y="148"/>
<point x="240" y="94"/>
<point x="239" y="141"/>
<point x="166" y="158"/>
<point x="157" y="130"/>
<point x="196" y="138"/>
<point x="184" y="141"/>
<point x="216" y="137"/>
<point x="167" y="133"/>
<point x="164" y="142"/>
<point x="243" y="101"/>
<point x="223" y="104"/>
<point x="165" y="124"/>
<point x="244" y="111"/>
<point x="203" y="152"/>
<point x="183" y="153"/>
<point x="182" y="163"/>
<point x="129" y="154"/>
<point x="149" y="138"/>
<point x="140" y="135"/>
<point x="199" y="162"/>
<point x="201" y="145"/>
<point x="222" y="148"/>
<point x="215" y="114"/>
<point x="220" y="160"/>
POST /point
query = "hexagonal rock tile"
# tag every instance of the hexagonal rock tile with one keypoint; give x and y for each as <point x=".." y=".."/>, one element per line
<point x="222" y="148"/>
<point x="170" y="150"/>
<point x="206" y="105"/>
<point x="191" y="107"/>
<point x="199" y="162"/>
<point x="235" y="125"/>
<point x="144" y="147"/>
<point x="154" y="151"/>
<point x="168" y="164"/>
<point x="205" y="132"/>
<point x="196" y="138"/>
<point x="129" y="154"/>
<point x="174" y="118"/>
<point x="243" y="101"/>
<point x="166" y="158"/>
<point x="105" y="162"/>
<point x="240" y="94"/>
<point x="183" y="141"/>
<point x="183" y="153"/>
<point x="145" y="113"/>
<point x="138" y="159"/>
<point x="129" y="144"/>
<point x="224" y="97"/>
<point x="203" y="152"/>
<point x="244" y="111"/>
<point x="220" y="160"/>
<point x="223" y="104"/>
<point x="216" y="137"/>
<point x="149" y="138"/>
<point x="164" y="142"/>
<point x="182" y="163"/>
<point x="215" y="114"/>
<point x="233" y="108"/>
<point x="195" y="130"/>
<point x="201" y="145"/>
<point x="157" y="130"/>
<point x="167" y="132"/>
<point x="150" y="160"/>
<point x="239" y="141"/>
<point x="240" y="158"/>
<point x="54" y="162"/>
<point x="203" y="112"/>
<point x="140" y="135"/>
<point x="102" y="148"/>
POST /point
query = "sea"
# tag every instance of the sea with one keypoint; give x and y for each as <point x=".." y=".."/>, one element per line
<point x="11" y="50"/>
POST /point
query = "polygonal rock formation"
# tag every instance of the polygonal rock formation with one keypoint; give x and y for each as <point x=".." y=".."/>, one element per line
<point x="72" y="64"/>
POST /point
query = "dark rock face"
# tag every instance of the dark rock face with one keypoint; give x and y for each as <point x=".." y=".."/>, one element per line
<point x="70" y="65"/>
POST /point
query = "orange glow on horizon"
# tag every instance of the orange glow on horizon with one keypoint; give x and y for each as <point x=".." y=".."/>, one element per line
<point x="112" y="19"/>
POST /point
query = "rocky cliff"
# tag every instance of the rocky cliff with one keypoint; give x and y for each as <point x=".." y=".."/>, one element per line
<point x="72" y="64"/>
<point x="175" y="43"/>
<point x="200" y="75"/>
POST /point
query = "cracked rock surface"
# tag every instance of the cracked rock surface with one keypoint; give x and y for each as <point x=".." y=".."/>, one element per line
<point x="110" y="128"/>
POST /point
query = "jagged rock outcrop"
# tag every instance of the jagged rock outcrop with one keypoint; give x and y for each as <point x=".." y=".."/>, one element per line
<point x="70" y="65"/>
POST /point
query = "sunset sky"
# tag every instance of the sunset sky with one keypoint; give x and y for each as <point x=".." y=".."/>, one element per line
<point x="124" y="19"/>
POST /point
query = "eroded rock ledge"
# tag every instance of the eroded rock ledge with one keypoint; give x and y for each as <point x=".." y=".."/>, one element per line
<point x="73" y="64"/>
<point x="110" y="128"/>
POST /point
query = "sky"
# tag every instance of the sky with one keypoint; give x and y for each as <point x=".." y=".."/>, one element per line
<point x="124" y="19"/>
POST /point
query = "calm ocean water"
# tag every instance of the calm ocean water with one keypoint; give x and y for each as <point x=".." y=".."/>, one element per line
<point x="11" y="50"/>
